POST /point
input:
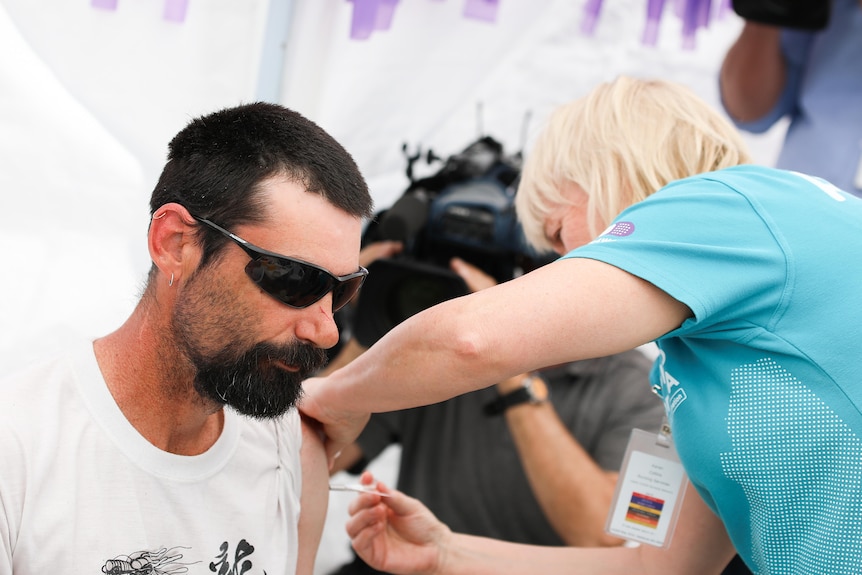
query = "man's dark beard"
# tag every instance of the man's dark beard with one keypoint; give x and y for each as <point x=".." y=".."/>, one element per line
<point x="252" y="382"/>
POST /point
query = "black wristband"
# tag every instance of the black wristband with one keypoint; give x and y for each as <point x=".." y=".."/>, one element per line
<point x="524" y="394"/>
<point x="504" y="402"/>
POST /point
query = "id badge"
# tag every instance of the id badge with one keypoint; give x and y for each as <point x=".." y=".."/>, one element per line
<point x="649" y="490"/>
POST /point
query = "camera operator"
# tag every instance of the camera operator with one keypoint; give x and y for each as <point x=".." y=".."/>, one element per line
<point x="541" y="470"/>
<point x="801" y="60"/>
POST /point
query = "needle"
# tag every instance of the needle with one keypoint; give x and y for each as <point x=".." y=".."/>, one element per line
<point x="357" y="488"/>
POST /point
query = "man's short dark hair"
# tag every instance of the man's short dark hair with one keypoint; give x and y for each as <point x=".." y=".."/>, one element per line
<point x="217" y="162"/>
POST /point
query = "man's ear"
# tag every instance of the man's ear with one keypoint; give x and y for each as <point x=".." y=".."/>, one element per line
<point x="171" y="241"/>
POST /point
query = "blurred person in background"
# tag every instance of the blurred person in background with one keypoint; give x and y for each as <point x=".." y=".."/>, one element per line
<point x="801" y="60"/>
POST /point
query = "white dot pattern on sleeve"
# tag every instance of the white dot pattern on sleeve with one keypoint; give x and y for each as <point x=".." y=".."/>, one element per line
<point x="800" y="467"/>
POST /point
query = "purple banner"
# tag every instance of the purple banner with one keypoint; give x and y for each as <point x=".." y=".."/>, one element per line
<point x="175" y="10"/>
<point x="385" y="12"/>
<point x="481" y="9"/>
<point x="104" y="4"/>
<point x="654" y="13"/>
<point x="364" y="18"/>
<point x="592" y="9"/>
<point x="695" y="15"/>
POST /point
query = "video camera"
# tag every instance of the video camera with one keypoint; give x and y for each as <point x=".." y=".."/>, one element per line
<point x="801" y="14"/>
<point x="464" y="210"/>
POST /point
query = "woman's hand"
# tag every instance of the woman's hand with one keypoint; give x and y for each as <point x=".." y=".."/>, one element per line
<point x="340" y="428"/>
<point x="396" y="533"/>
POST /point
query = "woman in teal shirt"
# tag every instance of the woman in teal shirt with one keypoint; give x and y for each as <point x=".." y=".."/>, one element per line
<point x="747" y="278"/>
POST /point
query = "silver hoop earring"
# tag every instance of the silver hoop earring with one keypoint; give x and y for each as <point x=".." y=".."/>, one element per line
<point x="171" y="282"/>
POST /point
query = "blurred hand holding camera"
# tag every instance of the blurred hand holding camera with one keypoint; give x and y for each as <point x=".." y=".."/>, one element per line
<point x="378" y="250"/>
<point x="475" y="278"/>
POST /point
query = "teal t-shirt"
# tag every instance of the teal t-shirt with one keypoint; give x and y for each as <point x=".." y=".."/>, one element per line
<point x="763" y="386"/>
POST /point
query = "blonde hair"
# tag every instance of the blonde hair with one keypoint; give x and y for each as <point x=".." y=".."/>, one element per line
<point x="622" y="142"/>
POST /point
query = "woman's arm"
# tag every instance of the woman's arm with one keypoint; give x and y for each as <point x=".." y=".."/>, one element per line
<point x="753" y="73"/>
<point x="567" y="310"/>
<point x="398" y="534"/>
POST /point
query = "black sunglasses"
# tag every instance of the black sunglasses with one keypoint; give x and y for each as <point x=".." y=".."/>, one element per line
<point x="294" y="282"/>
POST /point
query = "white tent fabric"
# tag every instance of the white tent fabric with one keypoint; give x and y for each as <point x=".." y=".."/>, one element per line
<point x="70" y="193"/>
<point x="422" y="81"/>
<point x="88" y="101"/>
<point x="90" y="97"/>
